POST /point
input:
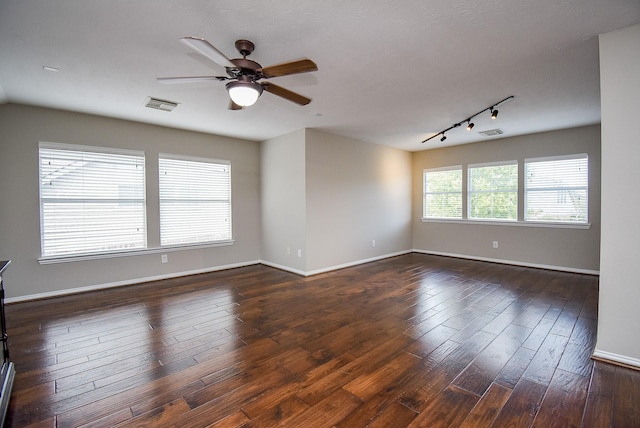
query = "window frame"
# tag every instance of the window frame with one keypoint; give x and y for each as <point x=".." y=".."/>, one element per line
<point x="586" y="188"/>
<point x="229" y="201"/>
<point x="425" y="192"/>
<point x="92" y="151"/>
<point x="471" y="192"/>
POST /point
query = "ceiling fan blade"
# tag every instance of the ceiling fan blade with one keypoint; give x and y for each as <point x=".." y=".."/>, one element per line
<point x="193" y="79"/>
<point x="293" y="67"/>
<point x="234" y="106"/>
<point x="285" y="93"/>
<point x="208" y="50"/>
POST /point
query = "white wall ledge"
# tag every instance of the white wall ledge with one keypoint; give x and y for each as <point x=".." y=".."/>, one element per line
<point x="140" y="252"/>
<point x="552" y="225"/>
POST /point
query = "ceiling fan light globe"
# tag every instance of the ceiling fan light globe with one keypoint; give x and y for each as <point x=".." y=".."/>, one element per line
<point x="244" y="94"/>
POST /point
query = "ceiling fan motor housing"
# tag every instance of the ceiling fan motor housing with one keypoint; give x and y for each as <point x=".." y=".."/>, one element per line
<point x="245" y="47"/>
<point x="245" y="67"/>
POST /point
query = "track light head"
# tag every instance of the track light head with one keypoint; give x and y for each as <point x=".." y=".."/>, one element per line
<point x="444" y="137"/>
<point x="494" y="114"/>
<point x="470" y="125"/>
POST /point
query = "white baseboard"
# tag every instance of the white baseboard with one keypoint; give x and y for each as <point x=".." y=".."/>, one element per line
<point x="96" y="287"/>
<point x="334" y="267"/>
<point x="355" y="263"/>
<point x="616" y="358"/>
<point x="511" y="262"/>
<point x="283" y="267"/>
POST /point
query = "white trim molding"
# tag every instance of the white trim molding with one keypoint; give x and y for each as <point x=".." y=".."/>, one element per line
<point x="284" y="268"/>
<point x="134" y="281"/>
<point x="355" y="263"/>
<point x="334" y="267"/>
<point x="140" y="252"/>
<point x="511" y="262"/>
<point x="610" y="357"/>
<point x="549" y="225"/>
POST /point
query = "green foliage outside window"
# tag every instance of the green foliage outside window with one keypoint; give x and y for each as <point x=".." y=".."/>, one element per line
<point x="443" y="194"/>
<point x="493" y="192"/>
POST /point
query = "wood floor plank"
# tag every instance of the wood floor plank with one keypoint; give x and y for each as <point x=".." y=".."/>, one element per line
<point x="522" y="406"/>
<point x="513" y="369"/>
<point x="449" y="408"/>
<point x="598" y="412"/>
<point x="487" y="408"/>
<point x="159" y="416"/>
<point x="412" y="340"/>
<point x="626" y="396"/>
<point x="325" y="413"/>
<point x="481" y="373"/>
<point x="394" y="415"/>
<point x="563" y="404"/>
<point x="370" y="383"/>
<point x="544" y="363"/>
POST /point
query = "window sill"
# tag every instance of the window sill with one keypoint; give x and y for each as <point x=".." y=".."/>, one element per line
<point x="169" y="248"/>
<point x="552" y="225"/>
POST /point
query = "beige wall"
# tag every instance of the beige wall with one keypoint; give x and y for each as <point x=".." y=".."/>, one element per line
<point x="619" y="315"/>
<point x="21" y="130"/>
<point x="329" y="197"/>
<point x="572" y="249"/>
<point x="283" y="201"/>
<point x="356" y="193"/>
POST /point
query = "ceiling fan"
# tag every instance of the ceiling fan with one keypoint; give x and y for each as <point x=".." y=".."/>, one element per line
<point x="245" y="88"/>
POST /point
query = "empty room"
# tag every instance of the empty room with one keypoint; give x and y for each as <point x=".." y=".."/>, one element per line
<point x="319" y="214"/>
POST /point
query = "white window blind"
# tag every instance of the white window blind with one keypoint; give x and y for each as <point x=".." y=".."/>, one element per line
<point x="442" y="192"/>
<point x="195" y="200"/>
<point x="493" y="191"/>
<point x="91" y="200"/>
<point x="557" y="189"/>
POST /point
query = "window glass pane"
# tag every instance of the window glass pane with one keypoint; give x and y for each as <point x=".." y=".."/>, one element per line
<point x="557" y="189"/>
<point x="443" y="193"/>
<point x="91" y="202"/>
<point x="493" y="192"/>
<point x="195" y="201"/>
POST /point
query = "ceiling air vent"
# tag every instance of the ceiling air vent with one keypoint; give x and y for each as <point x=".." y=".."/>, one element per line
<point x="491" y="132"/>
<point x="160" y="104"/>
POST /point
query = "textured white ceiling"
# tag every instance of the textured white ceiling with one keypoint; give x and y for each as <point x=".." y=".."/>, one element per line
<point x="391" y="72"/>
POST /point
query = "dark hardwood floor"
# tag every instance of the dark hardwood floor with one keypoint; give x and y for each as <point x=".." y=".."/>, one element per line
<point x="415" y="340"/>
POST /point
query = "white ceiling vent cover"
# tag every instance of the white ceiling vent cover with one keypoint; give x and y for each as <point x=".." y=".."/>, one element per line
<point x="159" y="104"/>
<point x="491" y="132"/>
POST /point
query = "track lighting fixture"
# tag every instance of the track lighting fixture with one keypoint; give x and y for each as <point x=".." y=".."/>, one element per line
<point x="470" y="125"/>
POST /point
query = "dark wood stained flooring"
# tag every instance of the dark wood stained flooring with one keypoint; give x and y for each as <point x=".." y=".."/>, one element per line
<point x="409" y="341"/>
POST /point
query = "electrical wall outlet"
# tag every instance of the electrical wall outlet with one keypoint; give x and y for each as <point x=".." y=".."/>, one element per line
<point x="164" y="258"/>
<point x="373" y="243"/>
<point x="299" y="253"/>
<point x="495" y="244"/>
<point x="288" y="250"/>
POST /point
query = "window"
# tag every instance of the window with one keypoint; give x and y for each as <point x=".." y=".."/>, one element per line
<point x="91" y="200"/>
<point x="195" y="200"/>
<point x="443" y="192"/>
<point x="556" y="189"/>
<point x="493" y="191"/>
